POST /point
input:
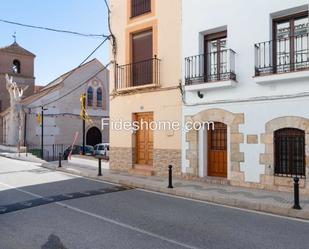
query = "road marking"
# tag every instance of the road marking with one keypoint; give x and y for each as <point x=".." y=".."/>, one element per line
<point x="169" y="195"/>
<point x="136" y="229"/>
<point x="222" y="205"/>
<point x="57" y="198"/>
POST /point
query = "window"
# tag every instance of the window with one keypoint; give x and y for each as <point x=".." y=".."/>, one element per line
<point x="290" y="35"/>
<point x="142" y="63"/>
<point x="90" y="96"/>
<point x="16" y="66"/>
<point x="99" y="97"/>
<point x="215" y="56"/>
<point x="139" y="7"/>
<point x="289" y="152"/>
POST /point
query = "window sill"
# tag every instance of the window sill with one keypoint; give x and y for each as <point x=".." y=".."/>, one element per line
<point x="268" y="79"/>
<point x="210" y="86"/>
<point x="140" y="15"/>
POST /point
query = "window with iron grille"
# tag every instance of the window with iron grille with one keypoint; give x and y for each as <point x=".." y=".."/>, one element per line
<point x="139" y="7"/>
<point x="289" y="152"/>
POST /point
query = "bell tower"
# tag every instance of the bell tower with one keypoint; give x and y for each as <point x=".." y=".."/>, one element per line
<point x="19" y="63"/>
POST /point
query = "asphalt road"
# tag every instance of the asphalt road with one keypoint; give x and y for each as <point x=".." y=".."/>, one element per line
<point x="53" y="210"/>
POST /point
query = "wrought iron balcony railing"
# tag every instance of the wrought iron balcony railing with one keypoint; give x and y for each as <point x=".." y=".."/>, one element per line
<point x="282" y="55"/>
<point x="210" y="67"/>
<point x="137" y="74"/>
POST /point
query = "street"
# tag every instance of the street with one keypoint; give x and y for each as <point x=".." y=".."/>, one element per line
<point x="46" y="209"/>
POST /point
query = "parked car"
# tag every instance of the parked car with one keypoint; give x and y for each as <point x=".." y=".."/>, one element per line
<point x="78" y="150"/>
<point x="101" y="149"/>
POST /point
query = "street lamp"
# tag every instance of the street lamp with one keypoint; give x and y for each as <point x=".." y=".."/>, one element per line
<point x="42" y="131"/>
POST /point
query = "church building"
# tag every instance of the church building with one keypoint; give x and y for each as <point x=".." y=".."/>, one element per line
<point x="61" y="101"/>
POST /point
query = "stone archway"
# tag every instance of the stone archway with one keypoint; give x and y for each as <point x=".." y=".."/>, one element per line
<point x="269" y="180"/>
<point x="93" y="136"/>
<point x="235" y="157"/>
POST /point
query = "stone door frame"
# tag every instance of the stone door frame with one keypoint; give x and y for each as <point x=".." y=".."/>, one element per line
<point x="235" y="138"/>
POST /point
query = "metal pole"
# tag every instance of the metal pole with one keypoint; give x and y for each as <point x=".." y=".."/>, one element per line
<point x="42" y="132"/>
<point x="84" y="122"/>
<point x="100" y="168"/>
<point x="170" y="180"/>
<point x="59" y="164"/>
<point x="25" y="130"/>
<point x="296" y="193"/>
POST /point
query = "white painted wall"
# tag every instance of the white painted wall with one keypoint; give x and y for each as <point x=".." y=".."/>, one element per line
<point x="247" y="23"/>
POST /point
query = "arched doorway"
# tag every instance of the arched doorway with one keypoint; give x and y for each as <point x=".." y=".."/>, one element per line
<point x="93" y="136"/>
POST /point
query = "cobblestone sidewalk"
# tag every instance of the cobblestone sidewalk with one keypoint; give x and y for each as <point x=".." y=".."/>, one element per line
<point x="259" y="200"/>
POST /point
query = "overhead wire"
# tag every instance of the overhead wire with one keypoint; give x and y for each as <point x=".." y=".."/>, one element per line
<point x="71" y="72"/>
<point x="54" y="30"/>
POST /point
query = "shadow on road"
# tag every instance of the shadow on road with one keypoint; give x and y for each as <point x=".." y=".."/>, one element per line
<point x="53" y="242"/>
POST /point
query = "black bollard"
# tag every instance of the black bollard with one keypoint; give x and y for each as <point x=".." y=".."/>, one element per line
<point x="296" y="193"/>
<point x="59" y="163"/>
<point x="100" y="168"/>
<point x="170" y="177"/>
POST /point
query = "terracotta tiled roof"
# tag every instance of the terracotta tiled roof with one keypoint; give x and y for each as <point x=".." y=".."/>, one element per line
<point x="37" y="95"/>
<point x="16" y="49"/>
<point x="38" y="88"/>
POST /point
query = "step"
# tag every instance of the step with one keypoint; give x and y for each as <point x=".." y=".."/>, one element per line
<point x="141" y="172"/>
<point x="143" y="166"/>
<point x="215" y="180"/>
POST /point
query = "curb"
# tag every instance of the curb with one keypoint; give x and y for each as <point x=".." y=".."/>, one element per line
<point x="231" y="202"/>
<point x="22" y="159"/>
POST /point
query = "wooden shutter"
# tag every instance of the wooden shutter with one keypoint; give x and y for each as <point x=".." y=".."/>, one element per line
<point x="142" y="58"/>
<point x="142" y="46"/>
<point x="139" y="7"/>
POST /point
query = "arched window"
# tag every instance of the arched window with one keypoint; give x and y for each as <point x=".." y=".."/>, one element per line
<point x="90" y="96"/>
<point x="99" y="97"/>
<point x="16" y="66"/>
<point x="289" y="152"/>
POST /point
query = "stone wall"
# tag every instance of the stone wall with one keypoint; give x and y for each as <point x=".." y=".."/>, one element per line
<point x="164" y="157"/>
<point x="121" y="158"/>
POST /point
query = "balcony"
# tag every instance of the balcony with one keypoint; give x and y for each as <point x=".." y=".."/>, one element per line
<point x="138" y="75"/>
<point x="287" y="55"/>
<point x="210" y="68"/>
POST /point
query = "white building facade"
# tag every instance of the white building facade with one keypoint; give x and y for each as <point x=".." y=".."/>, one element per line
<point x="246" y="68"/>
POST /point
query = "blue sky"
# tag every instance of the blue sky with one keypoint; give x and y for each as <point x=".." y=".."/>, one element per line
<point x="56" y="53"/>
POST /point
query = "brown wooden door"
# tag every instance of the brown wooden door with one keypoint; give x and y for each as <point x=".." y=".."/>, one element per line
<point x="217" y="150"/>
<point x="144" y="140"/>
<point x="142" y="58"/>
